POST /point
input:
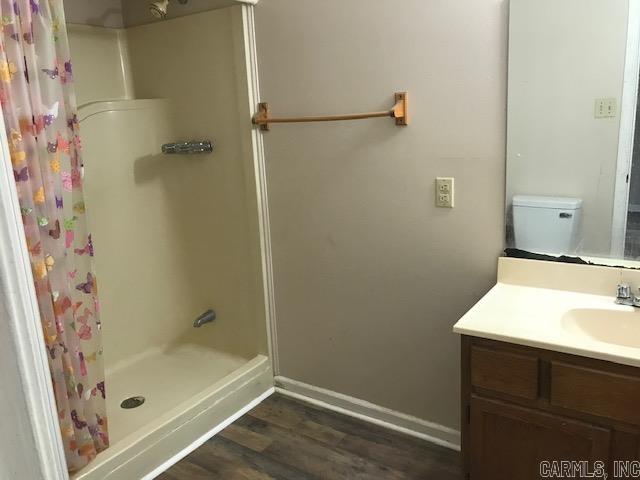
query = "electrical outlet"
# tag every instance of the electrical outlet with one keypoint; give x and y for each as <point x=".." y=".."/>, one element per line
<point x="444" y="192"/>
<point x="444" y="200"/>
<point x="605" y="108"/>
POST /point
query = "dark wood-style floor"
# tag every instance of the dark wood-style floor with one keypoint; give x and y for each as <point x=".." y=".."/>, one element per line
<point x="289" y="440"/>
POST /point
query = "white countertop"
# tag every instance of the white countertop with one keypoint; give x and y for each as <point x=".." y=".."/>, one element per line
<point x="544" y="317"/>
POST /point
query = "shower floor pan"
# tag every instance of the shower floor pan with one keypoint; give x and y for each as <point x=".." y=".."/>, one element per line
<point x="188" y="390"/>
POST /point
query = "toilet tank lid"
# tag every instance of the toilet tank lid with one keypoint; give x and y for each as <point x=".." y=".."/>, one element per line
<point x="536" y="201"/>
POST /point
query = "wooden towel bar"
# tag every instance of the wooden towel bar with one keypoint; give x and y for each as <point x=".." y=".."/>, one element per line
<point x="399" y="112"/>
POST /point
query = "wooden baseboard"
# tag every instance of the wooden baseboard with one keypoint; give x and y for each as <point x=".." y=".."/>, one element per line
<point x="369" y="412"/>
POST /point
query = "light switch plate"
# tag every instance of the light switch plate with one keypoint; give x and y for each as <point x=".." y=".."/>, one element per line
<point x="606" y="108"/>
<point x="444" y="192"/>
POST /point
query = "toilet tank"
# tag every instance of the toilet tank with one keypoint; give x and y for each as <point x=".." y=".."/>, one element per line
<point x="547" y="224"/>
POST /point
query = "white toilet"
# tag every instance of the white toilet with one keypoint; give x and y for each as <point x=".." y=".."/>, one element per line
<point x="547" y="224"/>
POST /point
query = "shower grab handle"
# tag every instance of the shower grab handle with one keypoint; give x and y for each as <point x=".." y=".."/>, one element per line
<point x="193" y="146"/>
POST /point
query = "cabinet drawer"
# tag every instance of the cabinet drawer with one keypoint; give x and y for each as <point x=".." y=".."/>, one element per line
<point x="505" y="372"/>
<point x="596" y="392"/>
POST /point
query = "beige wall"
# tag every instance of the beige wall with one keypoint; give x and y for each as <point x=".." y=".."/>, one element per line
<point x="370" y="277"/>
<point x="101" y="66"/>
<point x="198" y="63"/>
<point x="146" y="299"/>
<point x="563" y="54"/>
<point x="119" y="13"/>
<point x="102" y="13"/>
<point x="136" y="12"/>
<point x="174" y="235"/>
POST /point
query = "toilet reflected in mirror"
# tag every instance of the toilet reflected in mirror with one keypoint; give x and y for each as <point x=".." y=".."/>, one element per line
<point x="549" y="225"/>
<point x="573" y="160"/>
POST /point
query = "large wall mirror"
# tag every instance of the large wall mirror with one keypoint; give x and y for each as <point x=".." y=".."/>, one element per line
<point x="573" y="164"/>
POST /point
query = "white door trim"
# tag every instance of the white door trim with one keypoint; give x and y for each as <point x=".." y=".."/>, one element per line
<point x="25" y="337"/>
<point x="628" y="105"/>
<point x="260" y="173"/>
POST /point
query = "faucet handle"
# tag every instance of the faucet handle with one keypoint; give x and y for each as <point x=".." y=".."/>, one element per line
<point x="623" y="290"/>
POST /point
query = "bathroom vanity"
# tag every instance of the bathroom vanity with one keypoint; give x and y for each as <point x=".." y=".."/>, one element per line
<point x="550" y="374"/>
<point x="550" y="361"/>
<point x="522" y="406"/>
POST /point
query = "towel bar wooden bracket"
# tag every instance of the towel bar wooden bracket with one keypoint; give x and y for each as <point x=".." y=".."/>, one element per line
<point x="399" y="112"/>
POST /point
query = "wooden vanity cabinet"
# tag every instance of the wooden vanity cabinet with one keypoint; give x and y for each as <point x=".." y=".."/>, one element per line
<point x="523" y="405"/>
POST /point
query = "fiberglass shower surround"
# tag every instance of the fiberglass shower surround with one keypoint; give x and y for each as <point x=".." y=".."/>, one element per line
<point x="174" y="232"/>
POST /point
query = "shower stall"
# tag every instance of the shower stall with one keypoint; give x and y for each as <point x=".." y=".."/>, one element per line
<point x="179" y="239"/>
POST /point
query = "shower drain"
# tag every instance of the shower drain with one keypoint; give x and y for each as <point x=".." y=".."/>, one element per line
<point x="132" y="402"/>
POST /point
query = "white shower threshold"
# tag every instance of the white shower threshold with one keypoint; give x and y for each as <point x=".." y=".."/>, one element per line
<point x="188" y="390"/>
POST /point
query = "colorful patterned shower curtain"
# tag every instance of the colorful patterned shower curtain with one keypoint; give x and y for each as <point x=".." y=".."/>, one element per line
<point x="39" y="109"/>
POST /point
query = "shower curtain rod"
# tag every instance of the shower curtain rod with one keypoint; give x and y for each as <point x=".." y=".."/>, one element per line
<point x="398" y="111"/>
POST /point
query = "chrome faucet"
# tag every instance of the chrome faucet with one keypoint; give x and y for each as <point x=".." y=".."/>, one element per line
<point x="624" y="296"/>
<point x="206" y="317"/>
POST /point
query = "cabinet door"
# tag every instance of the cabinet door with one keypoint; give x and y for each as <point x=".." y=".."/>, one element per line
<point x="509" y="442"/>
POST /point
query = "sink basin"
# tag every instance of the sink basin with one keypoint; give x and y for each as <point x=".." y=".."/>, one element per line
<point x="617" y="327"/>
<point x="558" y="307"/>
